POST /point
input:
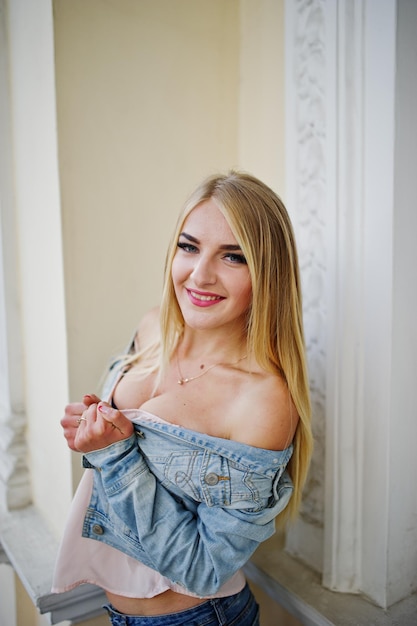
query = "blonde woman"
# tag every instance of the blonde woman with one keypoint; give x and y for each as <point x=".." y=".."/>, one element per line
<point x="202" y="439"/>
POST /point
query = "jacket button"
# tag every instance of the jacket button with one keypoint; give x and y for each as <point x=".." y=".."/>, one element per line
<point x="97" y="529"/>
<point x="211" y="479"/>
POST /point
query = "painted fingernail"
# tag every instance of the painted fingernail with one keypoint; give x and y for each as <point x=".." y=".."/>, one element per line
<point x="103" y="408"/>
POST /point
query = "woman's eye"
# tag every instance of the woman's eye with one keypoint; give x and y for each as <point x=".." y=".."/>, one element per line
<point x="187" y="247"/>
<point x="236" y="258"/>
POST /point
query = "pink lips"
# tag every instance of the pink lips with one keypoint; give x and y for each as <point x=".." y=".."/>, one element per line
<point x="203" y="299"/>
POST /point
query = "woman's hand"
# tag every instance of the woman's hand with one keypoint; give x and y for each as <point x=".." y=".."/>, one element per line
<point x="92" y="425"/>
<point x="74" y="412"/>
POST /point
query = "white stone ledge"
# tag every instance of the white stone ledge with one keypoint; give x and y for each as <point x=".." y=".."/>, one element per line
<point x="30" y="547"/>
<point x="299" y="591"/>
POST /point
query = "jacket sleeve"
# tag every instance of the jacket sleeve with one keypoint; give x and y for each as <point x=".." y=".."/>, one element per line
<point x="200" y="550"/>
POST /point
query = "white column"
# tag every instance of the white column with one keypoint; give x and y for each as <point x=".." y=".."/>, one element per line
<point x="345" y="338"/>
<point x="389" y="531"/>
<point x="309" y="191"/>
<point x="14" y="479"/>
<point x="373" y="436"/>
<point x="37" y="218"/>
<point x="352" y="204"/>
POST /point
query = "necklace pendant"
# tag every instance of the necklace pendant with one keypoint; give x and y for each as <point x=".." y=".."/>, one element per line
<point x="182" y="381"/>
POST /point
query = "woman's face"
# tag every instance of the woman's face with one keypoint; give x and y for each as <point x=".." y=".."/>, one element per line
<point x="209" y="272"/>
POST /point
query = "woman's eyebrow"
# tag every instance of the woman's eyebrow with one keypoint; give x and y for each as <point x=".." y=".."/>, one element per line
<point x="231" y="247"/>
<point x="189" y="237"/>
<point x="226" y="246"/>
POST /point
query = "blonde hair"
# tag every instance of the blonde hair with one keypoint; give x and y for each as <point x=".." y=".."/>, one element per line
<point x="275" y="336"/>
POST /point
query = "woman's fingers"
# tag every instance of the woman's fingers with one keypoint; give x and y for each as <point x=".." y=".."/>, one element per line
<point x="99" y="426"/>
<point x="69" y="422"/>
<point x="86" y="429"/>
<point x="113" y="417"/>
<point x="91" y="398"/>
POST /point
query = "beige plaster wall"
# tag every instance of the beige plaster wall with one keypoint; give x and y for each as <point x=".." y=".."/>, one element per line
<point x="147" y="104"/>
<point x="151" y="97"/>
<point x="261" y="93"/>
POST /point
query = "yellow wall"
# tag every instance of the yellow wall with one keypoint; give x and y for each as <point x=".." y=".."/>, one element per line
<point x="151" y="97"/>
<point x="261" y="92"/>
<point x="147" y="102"/>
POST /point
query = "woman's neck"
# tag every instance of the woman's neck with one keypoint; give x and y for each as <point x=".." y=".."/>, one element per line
<point x="210" y="346"/>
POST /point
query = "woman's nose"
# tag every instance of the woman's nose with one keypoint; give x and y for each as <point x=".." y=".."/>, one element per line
<point x="204" y="272"/>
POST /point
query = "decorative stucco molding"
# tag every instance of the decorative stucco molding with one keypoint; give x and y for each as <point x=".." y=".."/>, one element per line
<point x="308" y="176"/>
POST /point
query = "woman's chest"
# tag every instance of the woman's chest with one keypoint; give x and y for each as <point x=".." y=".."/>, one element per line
<point x="201" y="406"/>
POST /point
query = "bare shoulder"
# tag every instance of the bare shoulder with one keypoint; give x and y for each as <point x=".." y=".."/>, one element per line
<point x="266" y="416"/>
<point x="148" y="328"/>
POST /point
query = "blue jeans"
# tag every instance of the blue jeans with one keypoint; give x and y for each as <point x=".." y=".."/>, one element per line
<point x="240" y="609"/>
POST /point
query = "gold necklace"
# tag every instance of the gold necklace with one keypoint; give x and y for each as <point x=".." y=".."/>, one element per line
<point x="182" y="380"/>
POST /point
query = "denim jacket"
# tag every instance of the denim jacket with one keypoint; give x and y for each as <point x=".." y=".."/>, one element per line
<point x="191" y="506"/>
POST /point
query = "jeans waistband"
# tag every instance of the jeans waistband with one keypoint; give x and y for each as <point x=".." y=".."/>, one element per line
<point x="239" y="609"/>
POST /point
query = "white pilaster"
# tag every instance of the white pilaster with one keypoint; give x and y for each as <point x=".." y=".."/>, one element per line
<point x="310" y="175"/>
<point x="14" y="478"/>
<point x="345" y="338"/>
<point x="343" y="152"/>
<point x="373" y="439"/>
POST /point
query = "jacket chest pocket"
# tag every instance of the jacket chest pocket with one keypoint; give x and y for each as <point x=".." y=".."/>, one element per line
<point x="211" y="478"/>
